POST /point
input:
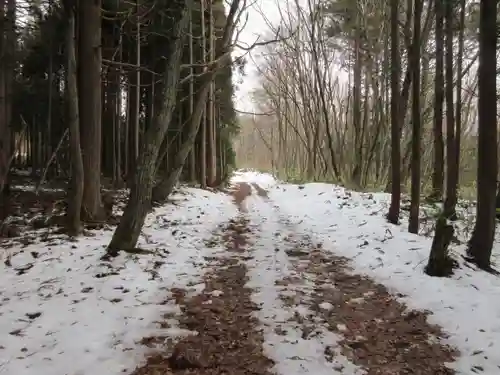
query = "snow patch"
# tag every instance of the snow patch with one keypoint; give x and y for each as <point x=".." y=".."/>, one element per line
<point x="63" y="311"/>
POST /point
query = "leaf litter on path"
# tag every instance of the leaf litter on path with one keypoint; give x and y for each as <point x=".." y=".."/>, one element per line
<point x="225" y="337"/>
<point x="378" y="332"/>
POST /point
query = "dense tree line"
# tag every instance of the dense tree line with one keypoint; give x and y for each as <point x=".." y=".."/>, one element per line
<point x="131" y="93"/>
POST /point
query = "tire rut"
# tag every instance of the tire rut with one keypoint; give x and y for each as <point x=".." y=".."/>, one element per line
<point x="377" y="332"/>
<point x="227" y="340"/>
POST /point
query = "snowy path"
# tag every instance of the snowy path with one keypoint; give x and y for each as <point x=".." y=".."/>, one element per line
<point x="352" y="225"/>
<point x="320" y="319"/>
<point x="310" y="281"/>
<point x="297" y="344"/>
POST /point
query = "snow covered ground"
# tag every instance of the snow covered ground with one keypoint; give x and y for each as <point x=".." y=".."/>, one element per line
<point x="63" y="311"/>
<point x="353" y="225"/>
<point x="293" y="353"/>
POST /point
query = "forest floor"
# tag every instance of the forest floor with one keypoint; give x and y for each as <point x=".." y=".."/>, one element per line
<point x="304" y="279"/>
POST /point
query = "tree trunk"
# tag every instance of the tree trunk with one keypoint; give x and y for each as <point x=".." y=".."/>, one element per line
<point x="497" y="202"/>
<point x="458" y="116"/>
<point x="166" y="185"/>
<point x="356" y="113"/>
<point x="451" y="183"/>
<point x="75" y="186"/>
<point x="4" y="125"/>
<point x="192" y="154"/>
<point x="108" y="105"/>
<point x="203" y="132"/>
<point x="416" y="133"/>
<point x="133" y="124"/>
<point x="135" y="99"/>
<point x="49" y="139"/>
<point x="438" y="172"/>
<point x="10" y="60"/>
<point x="393" y="215"/>
<point x="89" y="85"/>
<point x="128" y="230"/>
<point x="440" y="263"/>
<point x="212" y="149"/>
<point x="481" y="243"/>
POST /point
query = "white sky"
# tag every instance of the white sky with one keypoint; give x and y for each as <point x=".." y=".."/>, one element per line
<point x="256" y="28"/>
<point x="260" y="13"/>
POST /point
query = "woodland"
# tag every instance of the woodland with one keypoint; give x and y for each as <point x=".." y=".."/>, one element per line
<point x="148" y="224"/>
<point x="397" y="96"/>
<point x="116" y="94"/>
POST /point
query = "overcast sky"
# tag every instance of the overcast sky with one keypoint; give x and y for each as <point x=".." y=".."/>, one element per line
<point x="256" y="28"/>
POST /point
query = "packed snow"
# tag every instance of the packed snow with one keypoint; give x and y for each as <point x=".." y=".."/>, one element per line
<point x="63" y="311"/>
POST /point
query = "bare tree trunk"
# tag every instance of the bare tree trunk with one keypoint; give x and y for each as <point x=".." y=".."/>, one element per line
<point x="393" y="215"/>
<point x="458" y="116"/>
<point x="50" y="81"/>
<point x="4" y="126"/>
<point x="451" y="184"/>
<point x="440" y="264"/>
<point x="166" y="185"/>
<point x="128" y="230"/>
<point x="135" y="99"/>
<point x="203" y="135"/>
<point x="11" y="41"/>
<point x="413" y="223"/>
<point x="322" y="95"/>
<point x="7" y="66"/>
<point x="117" y="154"/>
<point x="75" y="186"/>
<point x="192" y="154"/>
<point x="356" y="112"/>
<point x="438" y="173"/>
<point x="481" y="243"/>
<point x="212" y="156"/>
<point x="89" y="85"/>
<point x="133" y="122"/>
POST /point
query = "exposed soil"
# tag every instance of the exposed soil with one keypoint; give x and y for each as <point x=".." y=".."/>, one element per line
<point x="240" y="191"/>
<point x="227" y="340"/>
